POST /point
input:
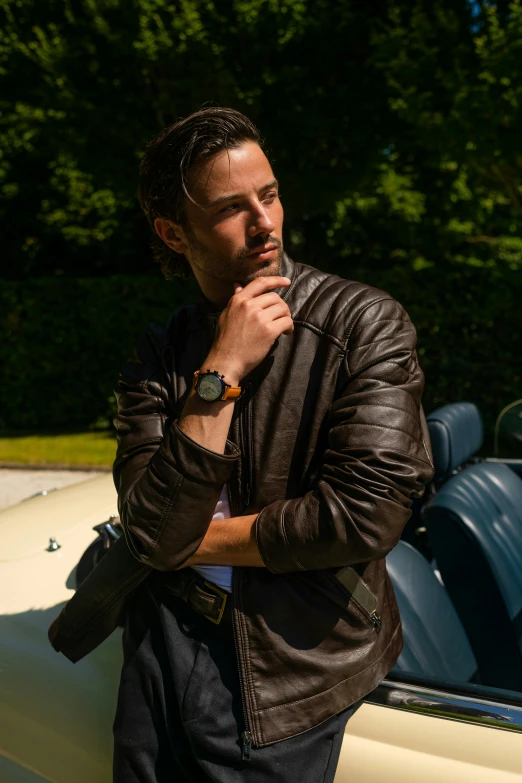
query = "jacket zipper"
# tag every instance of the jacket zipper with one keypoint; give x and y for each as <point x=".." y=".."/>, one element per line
<point x="372" y="617"/>
<point x="250" y="439"/>
<point x="245" y="436"/>
<point x="246" y="444"/>
<point x="246" y="736"/>
<point x="375" y="620"/>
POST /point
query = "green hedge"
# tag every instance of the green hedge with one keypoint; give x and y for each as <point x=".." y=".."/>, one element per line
<point x="62" y="341"/>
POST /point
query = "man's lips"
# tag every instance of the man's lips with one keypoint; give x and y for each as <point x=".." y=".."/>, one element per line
<point x="262" y="252"/>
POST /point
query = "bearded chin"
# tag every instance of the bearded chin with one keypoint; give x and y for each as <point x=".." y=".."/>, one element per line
<point x="231" y="270"/>
<point x="270" y="268"/>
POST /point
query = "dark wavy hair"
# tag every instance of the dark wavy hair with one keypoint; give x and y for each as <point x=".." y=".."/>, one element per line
<point x="167" y="161"/>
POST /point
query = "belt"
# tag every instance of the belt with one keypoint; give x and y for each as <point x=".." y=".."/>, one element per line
<point x="203" y="597"/>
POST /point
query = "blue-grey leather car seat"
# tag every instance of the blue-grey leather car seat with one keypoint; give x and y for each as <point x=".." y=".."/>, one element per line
<point x="456" y="434"/>
<point x="435" y="643"/>
<point x="474" y="524"/>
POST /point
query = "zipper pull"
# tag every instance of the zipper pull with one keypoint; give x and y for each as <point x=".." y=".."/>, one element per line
<point x="376" y="621"/>
<point x="247" y="745"/>
<point x="247" y="495"/>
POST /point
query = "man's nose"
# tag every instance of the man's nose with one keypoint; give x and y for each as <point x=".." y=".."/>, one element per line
<point x="260" y="222"/>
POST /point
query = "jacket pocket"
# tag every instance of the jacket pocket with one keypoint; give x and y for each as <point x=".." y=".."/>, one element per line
<point x="358" y="593"/>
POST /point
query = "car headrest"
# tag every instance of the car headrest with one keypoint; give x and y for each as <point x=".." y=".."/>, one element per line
<point x="456" y="434"/>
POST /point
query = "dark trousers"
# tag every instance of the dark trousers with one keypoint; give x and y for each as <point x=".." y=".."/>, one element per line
<point x="180" y="717"/>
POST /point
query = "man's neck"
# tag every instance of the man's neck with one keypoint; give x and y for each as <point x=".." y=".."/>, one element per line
<point x="215" y="293"/>
<point x="209" y="307"/>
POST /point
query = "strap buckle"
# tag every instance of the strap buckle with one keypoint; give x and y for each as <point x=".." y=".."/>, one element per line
<point x="224" y="597"/>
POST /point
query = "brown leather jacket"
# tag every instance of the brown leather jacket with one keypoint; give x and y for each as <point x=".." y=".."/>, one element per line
<point x="329" y="442"/>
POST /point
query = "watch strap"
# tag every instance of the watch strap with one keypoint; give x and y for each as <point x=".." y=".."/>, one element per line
<point x="231" y="392"/>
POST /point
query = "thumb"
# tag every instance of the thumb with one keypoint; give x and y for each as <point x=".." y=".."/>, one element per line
<point x="237" y="288"/>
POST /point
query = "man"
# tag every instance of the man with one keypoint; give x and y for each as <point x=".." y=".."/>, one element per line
<point x="271" y="442"/>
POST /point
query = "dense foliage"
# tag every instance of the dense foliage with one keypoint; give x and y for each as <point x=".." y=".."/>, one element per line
<point x="393" y="127"/>
<point x="63" y="341"/>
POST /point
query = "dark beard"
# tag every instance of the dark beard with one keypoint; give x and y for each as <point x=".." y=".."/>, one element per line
<point x="234" y="270"/>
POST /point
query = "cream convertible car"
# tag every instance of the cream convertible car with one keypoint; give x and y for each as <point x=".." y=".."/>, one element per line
<point x="450" y="710"/>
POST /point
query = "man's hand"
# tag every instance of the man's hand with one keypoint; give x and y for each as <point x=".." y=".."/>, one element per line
<point x="248" y="327"/>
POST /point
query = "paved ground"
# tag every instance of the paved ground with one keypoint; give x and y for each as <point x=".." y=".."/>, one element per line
<point x="15" y="485"/>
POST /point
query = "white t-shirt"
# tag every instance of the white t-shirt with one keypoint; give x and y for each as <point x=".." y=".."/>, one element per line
<point x="219" y="575"/>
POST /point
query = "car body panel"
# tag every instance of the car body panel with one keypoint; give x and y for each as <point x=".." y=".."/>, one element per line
<point x="56" y="717"/>
<point x="25" y="528"/>
<point x="382" y="743"/>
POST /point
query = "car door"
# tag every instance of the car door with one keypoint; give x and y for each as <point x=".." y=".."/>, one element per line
<point x="416" y="732"/>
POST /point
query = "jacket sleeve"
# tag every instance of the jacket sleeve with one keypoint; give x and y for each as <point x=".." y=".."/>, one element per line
<point x="168" y="485"/>
<point x="377" y="460"/>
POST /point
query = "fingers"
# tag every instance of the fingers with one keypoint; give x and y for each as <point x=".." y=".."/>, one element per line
<point x="265" y="301"/>
<point x="277" y="310"/>
<point x="262" y="284"/>
<point x="278" y="319"/>
<point x="283" y="325"/>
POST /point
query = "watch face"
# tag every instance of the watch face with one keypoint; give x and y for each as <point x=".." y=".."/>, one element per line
<point x="210" y="387"/>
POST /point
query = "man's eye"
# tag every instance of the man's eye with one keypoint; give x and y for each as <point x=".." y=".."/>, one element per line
<point x="271" y="196"/>
<point x="229" y="208"/>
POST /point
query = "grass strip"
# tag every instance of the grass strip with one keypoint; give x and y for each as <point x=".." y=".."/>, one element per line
<point x="77" y="448"/>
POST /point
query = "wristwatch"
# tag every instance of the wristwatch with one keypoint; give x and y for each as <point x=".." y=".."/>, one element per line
<point x="211" y="387"/>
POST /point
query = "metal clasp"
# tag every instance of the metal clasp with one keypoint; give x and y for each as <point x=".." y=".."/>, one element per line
<point x="224" y="597"/>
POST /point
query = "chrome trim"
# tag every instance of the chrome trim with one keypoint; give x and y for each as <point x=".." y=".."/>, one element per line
<point x="53" y="545"/>
<point x="442" y="704"/>
<point x="112" y="532"/>
<point x="506" y="461"/>
<point x="497" y="424"/>
<point x="106" y="529"/>
<point x="37" y="494"/>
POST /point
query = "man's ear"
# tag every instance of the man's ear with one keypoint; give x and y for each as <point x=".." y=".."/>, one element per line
<point x="172" y="234"/>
